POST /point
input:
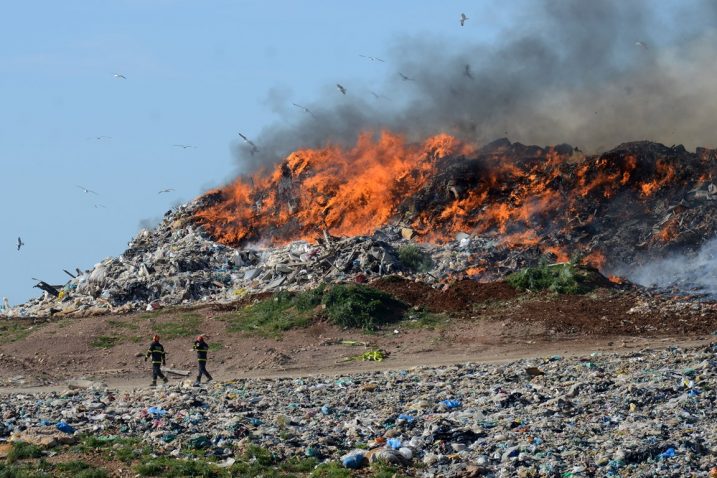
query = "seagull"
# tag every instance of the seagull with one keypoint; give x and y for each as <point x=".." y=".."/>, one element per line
<point x="168" y="190"/>
<point x="19" y="243"/>
<point x="371" y="58"/>
<point x="341" y="88"/>
<point x="463" y="18"/>
<point x="642" y="45"/>
<point x="86" y="191"/>
<point x="404" y="77"/>
<point x="253" y="148"/>
<point x="100" y="138"/>
<point x="99" y="206"/>
<point x="377" y="96"/>
<point x="306" y="110"/>
<point x="118" y="76"/>
<point x="184" y="146"/>
<point x="467" y="71"/>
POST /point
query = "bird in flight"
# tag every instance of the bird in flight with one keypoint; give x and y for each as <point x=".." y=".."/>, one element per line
<point x="100" y="138"/>
<point x="642" y="45"/>
<point x="119" y="76"/>
<point x="371" y="58"/>
<point x="253" y="149"/>
<point x="168" y="190"/>
<point x="184" y="146"/>
<point x="463" y="19"/>
<point x="467" y="71"/>
<point x="19" y="243"/>
<point x="306" y="110"/>
<point x="99" y="206"/>
<point x="341" y="88"/>
<point x="377" y="96"/>
<point x="86" y="191"/>
<point x="404" y="77"/>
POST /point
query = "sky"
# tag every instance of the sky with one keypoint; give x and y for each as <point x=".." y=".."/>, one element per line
<point x="196" y="74"/>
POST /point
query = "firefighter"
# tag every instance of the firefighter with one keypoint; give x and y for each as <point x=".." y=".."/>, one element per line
<point x="159" y="358"/>
<point x="201" y="347"/>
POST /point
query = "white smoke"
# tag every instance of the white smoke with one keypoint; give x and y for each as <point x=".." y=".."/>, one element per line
<point x="689" y="273"/>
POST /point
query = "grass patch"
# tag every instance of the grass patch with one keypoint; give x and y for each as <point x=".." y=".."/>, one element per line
<point x="355" y="306"/>
<point x="360" y="306"/>
<point x="214" y="346"/>
<point x="566" y="278"/>
<point x="23" y="451"/>
<point x="80" y="469"/>
<point x="172" y="467"/>
<point x="269" y="317"/>
<point x="187" y="324"/>
<point x="24" y="471"/>
<point x="105" y="341"/>
<point x="414" y="258"/>
<point x="330" y="470"/>
<point x="118" y="324"/>
<point x="13" y="330"/>
<point x="426" y="320"/>
<point x="122" y="449"/>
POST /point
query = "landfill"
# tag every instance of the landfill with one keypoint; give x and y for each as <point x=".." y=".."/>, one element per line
<point x="642" y="413"/>
<point x="614" y="211"/>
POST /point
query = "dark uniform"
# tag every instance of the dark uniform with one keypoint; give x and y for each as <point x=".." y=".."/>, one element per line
<point x="156" y="351"/>
<point x="201" y="347"/>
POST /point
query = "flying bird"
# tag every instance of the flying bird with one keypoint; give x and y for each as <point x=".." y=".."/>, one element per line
<point x="99" y="206"/>
<point x="19" y="243"/>
<point x="341" y="88"/>
<point x="306" y="110"/>
<point x="86" y="191"/>
<point x="404" y="77"/>
<point x="377" y="96"/>
<point x="371" y="58"/>
<point x="119" y="76"/>
<point x="463" y="19"/>
<point x="642" y="45"/>
<point x="100" y="138"/>
<point x="253" y="149"/>
<point x="467" y="72"/>
<point x="184" y="146"/>
<point x="168" y="190"/>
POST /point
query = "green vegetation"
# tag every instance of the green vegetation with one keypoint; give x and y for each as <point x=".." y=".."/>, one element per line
<point x="122" y="324"/>
<point x="330" y="470"/>
<point x="172" y="467"/>
<point x="185" y="325"/>
<point x="111" y="447"/>
<point x="214" y="346"/>
<point x="566" y="278"/>
<point x="414" y="259"/>
<point x="360" y="306"/>
<point x="270" y="317"/>
<point x="105" y="341"/>
<point x="80" y="469"/>
<point x="22" y="451"/>
<point x="14" y="330"/>
<point x="426" y="320"/>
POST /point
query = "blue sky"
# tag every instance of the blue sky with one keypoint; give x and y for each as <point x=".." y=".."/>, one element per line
<point x="197" y="72"/>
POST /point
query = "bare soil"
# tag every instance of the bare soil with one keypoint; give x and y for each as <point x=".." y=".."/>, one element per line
<point x="482" y="322"/>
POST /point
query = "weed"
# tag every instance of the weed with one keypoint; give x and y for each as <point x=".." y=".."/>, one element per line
<point x="561" y="278"/>
<point x="214" y="346"/>
<point x="269" y="317"/>
<point x="80" y="469"/>
<point x="22" y="451"/>
<point x="172" y="467"/>
<point x="119" y="324"/>
<point x="426" y="320"/>
<point x="186" y="325"/>
<point x="14" y="330"/>
<point x="414" y="259"/>
<point x="360" y="306"/>
<point x="330" y="470"/>
<point x="105" y="341"/>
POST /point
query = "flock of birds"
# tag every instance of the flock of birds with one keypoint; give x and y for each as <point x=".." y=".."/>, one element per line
<point x="253" y="148"/>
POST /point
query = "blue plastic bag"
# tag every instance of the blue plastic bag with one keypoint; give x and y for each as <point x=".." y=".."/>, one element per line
<point x="65" y="428"/>
<point x="669" y="453"/>
<point x="450" y="404"/>
<point x="156" y="411"/>
<point x="407" y="418"/>
<point x="394" y="443"/>
<point x="353" y="461"/>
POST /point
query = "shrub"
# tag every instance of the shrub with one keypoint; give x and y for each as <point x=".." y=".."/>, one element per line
<point x="22" y="451"/>
<point x="360" y="306"/>
<point x="561" y="278"/>
<point x="414" y="259"/>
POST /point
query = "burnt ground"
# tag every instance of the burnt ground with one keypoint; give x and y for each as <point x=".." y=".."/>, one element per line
<point x="467" y="321"/>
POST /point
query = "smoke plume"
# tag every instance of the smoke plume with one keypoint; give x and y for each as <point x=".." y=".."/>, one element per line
<point x="593" y="74"/>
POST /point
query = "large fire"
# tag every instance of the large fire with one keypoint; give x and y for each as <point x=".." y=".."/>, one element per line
<point x="550" y="198"/>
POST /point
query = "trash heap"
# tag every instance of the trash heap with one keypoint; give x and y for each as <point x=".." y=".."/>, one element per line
<point x="646" y="413"/>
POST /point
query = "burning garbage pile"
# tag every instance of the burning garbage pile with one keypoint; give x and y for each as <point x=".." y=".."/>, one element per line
<point x="350" y="214"/>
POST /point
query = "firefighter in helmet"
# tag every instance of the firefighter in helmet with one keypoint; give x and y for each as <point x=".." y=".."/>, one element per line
<point x="201" y="347"/>
<point x="159" y="358"/>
